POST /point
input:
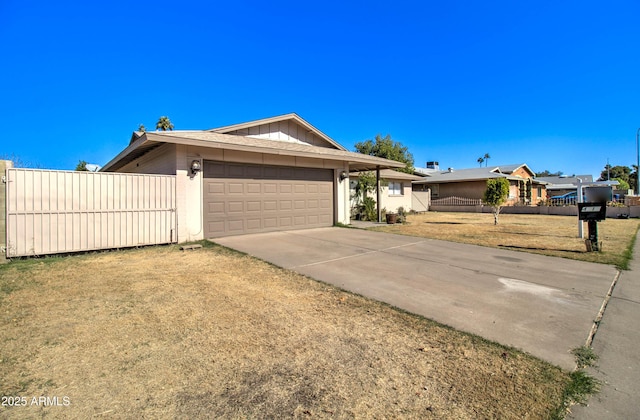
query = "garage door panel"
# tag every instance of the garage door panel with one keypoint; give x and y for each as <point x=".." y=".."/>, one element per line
<point x="254" y="224"/>
<point x="254" y="206"/>
<point x="215" y="208"/>
<point x="254" y="188"/>
<point x="236" y="226"/>
<point x="286" y="205"/>
<point x="257" y="198"/>
<point x="215" y="188"/>
<point x="215" y="228"/>
<point x="235" y="188"/>
<point x="270" y="222"/>
<point x="270" y="188"/>
<point x="235" y="207"/>
<point x="270" y="205"/>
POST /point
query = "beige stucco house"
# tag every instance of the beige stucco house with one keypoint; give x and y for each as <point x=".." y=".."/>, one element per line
<point x="524" y="188"/>
<point x="272" y="174"/>
<point x="395" y="190"/>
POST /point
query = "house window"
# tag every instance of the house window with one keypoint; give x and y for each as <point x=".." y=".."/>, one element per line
<point x="539" y="192"/>
<point x="395" y="188"/>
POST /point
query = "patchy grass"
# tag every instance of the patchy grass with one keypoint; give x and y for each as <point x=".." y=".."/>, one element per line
<point x="549" y="235"/>
<point x="161" y="333"/>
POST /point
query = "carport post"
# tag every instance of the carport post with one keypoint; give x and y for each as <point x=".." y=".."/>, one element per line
<point x="378" y="194"/>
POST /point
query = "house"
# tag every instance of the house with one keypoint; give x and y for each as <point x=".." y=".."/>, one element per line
<point x="524" y="188"/>
<point x="396" y="190"/>
<point x="272" y="174"/>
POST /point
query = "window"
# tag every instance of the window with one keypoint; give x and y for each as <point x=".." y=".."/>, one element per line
<point x="395" y="188"/>
<point x="539" y="192"/>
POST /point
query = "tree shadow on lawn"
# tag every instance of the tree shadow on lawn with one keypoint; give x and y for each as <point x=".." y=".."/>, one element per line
<point x="446" y="223"/>
<point x="547" y="235"/>
<point x="533" y="248"/>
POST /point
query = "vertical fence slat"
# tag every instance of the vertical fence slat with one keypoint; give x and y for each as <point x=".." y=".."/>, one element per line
<point x="52" y="212"/>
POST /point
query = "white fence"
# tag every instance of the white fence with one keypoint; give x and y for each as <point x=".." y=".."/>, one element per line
<point x="456" y="201"/>
<point x="51" y="212"/>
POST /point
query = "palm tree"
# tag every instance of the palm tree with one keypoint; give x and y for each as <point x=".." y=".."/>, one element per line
<point x="480" y="160"/>
<point x="164" y="124"/>
<point x="486" y="159"/>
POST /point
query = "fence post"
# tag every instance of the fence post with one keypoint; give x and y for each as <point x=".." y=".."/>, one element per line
<point x="4" y="165"/>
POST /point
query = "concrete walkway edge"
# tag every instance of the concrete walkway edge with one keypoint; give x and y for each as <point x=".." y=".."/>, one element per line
<point x="617" y="343"/>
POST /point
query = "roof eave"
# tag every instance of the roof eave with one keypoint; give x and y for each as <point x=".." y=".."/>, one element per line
<point x="151" y="140"/>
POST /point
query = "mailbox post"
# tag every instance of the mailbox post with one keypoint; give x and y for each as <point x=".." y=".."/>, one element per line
<point x="592" y="213"/>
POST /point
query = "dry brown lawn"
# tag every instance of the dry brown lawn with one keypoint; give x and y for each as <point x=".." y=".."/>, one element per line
<point x="162" y="333"/>
<point x="548" y="235"/>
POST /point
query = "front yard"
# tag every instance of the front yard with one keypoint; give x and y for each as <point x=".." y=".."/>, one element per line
<point x="549" y="235"/>
<point x="162" y="333"/>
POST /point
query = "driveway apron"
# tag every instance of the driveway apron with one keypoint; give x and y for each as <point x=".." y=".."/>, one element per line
<point x="542" y="305"/>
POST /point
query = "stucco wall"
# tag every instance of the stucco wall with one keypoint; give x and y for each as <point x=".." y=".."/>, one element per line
<point x="160" y="161"/>
<point x="470" y="189"/>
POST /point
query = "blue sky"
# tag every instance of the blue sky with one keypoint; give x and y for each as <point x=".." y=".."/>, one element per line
<point x="554" y="84"/>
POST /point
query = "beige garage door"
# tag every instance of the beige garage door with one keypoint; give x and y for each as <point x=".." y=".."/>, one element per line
<point x="245" y="198"/>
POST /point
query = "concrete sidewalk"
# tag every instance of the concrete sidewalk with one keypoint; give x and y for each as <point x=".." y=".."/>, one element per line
<point x="617" y="343"/>
<point x="543" y="305"/>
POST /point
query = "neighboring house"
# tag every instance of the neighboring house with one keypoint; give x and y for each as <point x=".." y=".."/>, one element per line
<point x="524" y="188"/>
<point x="395" y="191"/>
<point x="559" y="185"/>
<point x="272" y="174"/>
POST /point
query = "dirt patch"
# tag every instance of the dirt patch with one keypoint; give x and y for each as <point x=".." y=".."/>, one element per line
<point x="548" y="235"/>
<point x="162" y="333"/>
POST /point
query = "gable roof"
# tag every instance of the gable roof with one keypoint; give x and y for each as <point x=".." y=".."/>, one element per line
<point x="475" y="174"/>
<point x="509" y="169"/>
<point x="143" y="143"/>
<point x="291" y="117"/>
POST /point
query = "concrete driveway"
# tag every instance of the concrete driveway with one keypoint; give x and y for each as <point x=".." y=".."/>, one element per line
<point x="542" y="305"/>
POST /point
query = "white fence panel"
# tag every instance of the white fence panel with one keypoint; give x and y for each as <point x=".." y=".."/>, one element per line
<point x="51" y="212"/>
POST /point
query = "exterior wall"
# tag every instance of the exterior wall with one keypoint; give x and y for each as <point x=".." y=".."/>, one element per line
<point x="522" y="173"/>
<point x="189" y="187"/>
<point x="389" y="202"/>
<point x="288" y="131"/>
<point x="392" y="202"/>
<point x="470" y="189"/>
<point x="161" y="161"/>
<point x="4" y="165"/>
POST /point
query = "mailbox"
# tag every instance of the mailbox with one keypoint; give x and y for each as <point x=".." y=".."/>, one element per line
<point x="592" y="211"/>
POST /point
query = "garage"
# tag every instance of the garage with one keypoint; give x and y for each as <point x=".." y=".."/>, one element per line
<point x="241" y="198"/>
<point x="274" y="174"/>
